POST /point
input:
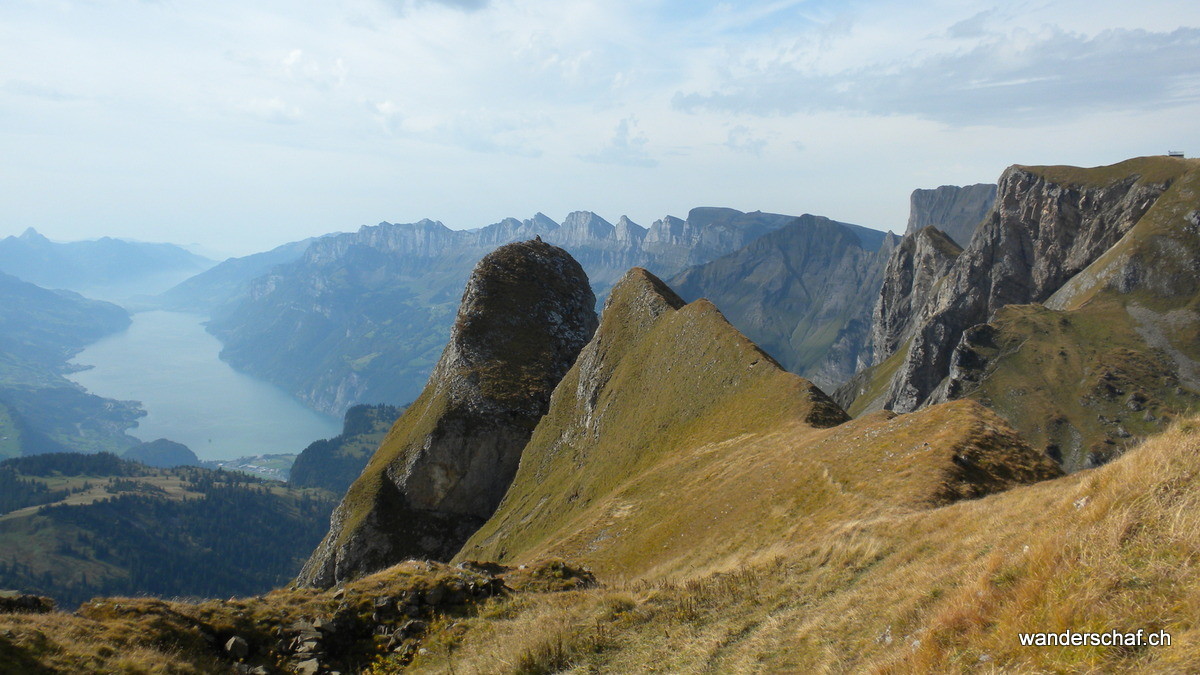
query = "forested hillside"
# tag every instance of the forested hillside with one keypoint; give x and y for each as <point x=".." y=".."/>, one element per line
<point x="75" y="526"/>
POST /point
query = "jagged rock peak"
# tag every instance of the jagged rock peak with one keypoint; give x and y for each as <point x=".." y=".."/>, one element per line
<point x="644" y="295"/>
<point x="542" y="221"/>
<point x="629" y="231"/>
<point x="1047" y="225"/>
<point x="581" y="226"/>
<point x="526" y="313"/>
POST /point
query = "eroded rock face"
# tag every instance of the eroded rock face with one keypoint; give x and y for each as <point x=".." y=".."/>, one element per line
<point x="915" y="266"/>
<point x="1038" y="235"/>
<point x="446" y="464"/>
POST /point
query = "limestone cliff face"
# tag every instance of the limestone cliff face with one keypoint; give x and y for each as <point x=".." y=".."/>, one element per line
<point x="445" y="465"/>
<point x="954" y="210"/>
<point x="1039" y="234"/>
<point x="914" y="268"/>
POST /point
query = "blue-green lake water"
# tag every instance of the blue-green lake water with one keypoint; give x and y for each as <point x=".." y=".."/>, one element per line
<point x="167" y="361"/>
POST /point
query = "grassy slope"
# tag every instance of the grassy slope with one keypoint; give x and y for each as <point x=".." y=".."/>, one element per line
<point x="1082" y="382"/>
<point x="693" y="419"/>
<point x="44" y="544"/>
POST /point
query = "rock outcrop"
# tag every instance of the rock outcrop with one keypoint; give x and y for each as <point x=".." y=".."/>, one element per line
<point x="803" y="293"/>
<point x="659" y="380"/>
<point x="445" y="465"/>
<point x="1040" y="234"/>
<point x="954" y="210"/>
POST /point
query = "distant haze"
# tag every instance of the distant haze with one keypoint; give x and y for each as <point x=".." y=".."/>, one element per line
<point x="239" y="126"/>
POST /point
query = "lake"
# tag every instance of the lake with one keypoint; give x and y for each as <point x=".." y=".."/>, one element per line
<point x="169" y="362"/>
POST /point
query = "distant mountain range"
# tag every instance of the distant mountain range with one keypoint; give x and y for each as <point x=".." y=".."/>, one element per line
<point x="321" y="318"/>
<point x="228" y="282"/>
<point x="362" y="317"/>
<point x="106" y="268"/>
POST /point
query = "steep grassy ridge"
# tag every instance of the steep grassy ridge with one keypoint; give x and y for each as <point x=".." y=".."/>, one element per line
<point x="675" y="444"/>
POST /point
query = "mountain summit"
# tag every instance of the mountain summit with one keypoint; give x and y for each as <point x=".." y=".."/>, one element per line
<point x="446" y="464"/>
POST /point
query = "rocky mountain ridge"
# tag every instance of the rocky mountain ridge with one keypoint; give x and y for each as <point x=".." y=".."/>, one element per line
<point x="953" y="209"/>
<point x="1051" y="295"/>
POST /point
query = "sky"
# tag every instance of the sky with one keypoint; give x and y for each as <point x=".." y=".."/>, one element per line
<point x="241" y="125"/>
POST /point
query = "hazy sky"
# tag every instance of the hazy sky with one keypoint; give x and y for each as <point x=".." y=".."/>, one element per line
<point x="242" y="125"/>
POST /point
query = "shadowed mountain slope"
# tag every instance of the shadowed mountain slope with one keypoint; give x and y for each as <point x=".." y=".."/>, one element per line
<point x="40" y="410"/>
<point x="334" y="463"/>
<point x="803" y="293"/>
<point x="215" y="290"/>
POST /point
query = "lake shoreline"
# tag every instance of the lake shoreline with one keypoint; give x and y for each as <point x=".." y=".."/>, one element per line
<point x="170" y="365"/>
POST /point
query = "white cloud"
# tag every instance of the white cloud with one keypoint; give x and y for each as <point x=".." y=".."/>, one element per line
<point x="741" y="139"/>
<point x="272" y="110"/>
<point x="627" y="147"/>
<point x="1015" y="79"/>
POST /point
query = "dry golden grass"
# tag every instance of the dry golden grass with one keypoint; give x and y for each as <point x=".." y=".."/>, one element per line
<point x="940" y="590"/>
